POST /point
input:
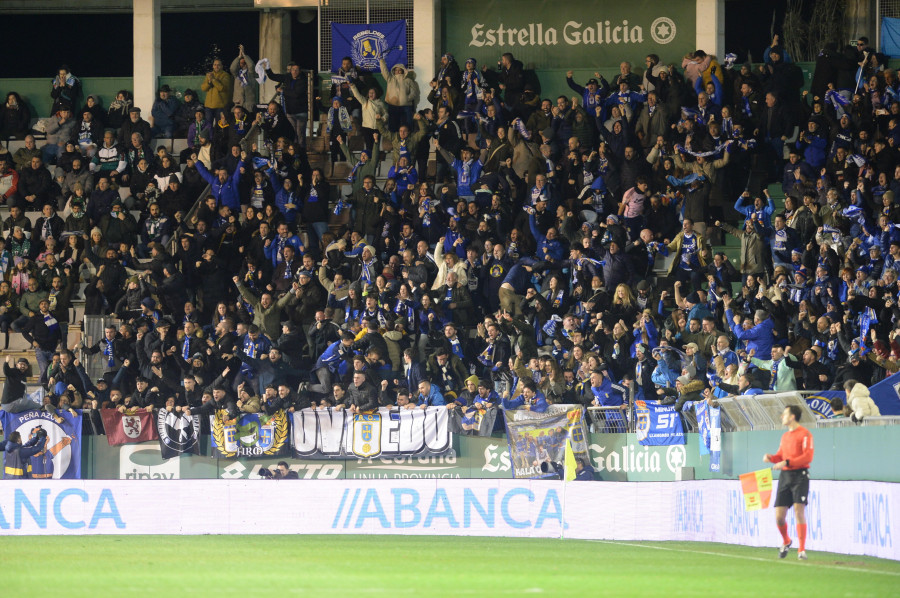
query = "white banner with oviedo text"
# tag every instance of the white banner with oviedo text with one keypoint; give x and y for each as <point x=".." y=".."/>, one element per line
<point x="842" y="517"/>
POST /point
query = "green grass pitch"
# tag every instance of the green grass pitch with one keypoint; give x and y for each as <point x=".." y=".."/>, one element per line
<point x="242" y="566"/>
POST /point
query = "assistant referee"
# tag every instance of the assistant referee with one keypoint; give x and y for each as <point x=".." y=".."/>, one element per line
<point x="793" y="458"/>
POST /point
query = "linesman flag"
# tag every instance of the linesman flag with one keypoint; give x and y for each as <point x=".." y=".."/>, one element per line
<point x="757" y="488"/>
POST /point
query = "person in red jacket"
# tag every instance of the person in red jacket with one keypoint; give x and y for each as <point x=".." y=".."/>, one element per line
<point x="793" y="458"/>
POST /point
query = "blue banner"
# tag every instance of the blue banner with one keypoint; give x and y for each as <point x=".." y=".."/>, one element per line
<point x="658" y="424"/>
<point x="365" y="43"/>
<point x="709" y="422"/>
<point x="63" y="437"/>
<point x="890" y="36"/>
<point x="701" y="410"/>
<point x="886" y="395"/>
<point x="820" y="403"/>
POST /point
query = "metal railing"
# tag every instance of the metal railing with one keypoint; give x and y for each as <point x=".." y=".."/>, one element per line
<point x="611" y="420"/>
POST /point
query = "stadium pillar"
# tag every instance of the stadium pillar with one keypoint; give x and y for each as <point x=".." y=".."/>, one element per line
<point x="426" y="42"/>
<point x="147" y="61"/>
<point x="711" y="27"/>
<point x="274" y="44"/>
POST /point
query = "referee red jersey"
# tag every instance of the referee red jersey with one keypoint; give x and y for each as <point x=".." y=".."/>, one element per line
<point x="796" y="448"/>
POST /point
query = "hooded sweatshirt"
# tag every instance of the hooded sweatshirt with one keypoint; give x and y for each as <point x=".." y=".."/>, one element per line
<point x="401" y="89"/>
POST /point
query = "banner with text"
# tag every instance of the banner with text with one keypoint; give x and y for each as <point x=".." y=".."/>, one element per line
<point x="63" y="437"/>
<point x="555" y="35"/>
<point x="329" y="433"/>
<point x="537" y="441"/>
<point x="249" y="435"/>
<point x="658" y="424"/>
<point x="843" y="517"/>
<point x="366" y="43"/>
<point x="709" y="422"/>
<point x="820" y="403"/>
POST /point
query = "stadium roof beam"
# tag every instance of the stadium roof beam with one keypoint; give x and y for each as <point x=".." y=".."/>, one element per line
<point x="119" y="6"/>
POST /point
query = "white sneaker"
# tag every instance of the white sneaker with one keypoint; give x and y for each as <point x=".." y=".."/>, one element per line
<point x="783" y="551"/>
<point x="801" y="555"/>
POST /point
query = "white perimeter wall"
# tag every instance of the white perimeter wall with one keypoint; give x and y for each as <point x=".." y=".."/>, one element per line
<point x="843" y="517"/>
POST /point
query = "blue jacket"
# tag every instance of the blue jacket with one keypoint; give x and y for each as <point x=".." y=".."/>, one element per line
<point x="814" y="151"/>
<point x="283" y="197"/>
<point x="606" y="395"/>
<point x="765" y="214"/>
<point x="330" y="358"/>
<point x="518" y="277"/>
<point x="465" y="184"/>
<point x="539" y="405"/>
<point x="760" y="337"/>
<point x="275" y="247"/>
<point x="450" y="238"/>
<point x="782" y="242"/>
<point x="164" y="112"/>
<point x="546" y="248"/>
<point x="42" y="462"/>
<point x="16" y="458"/>
<point x="434" y="398"/>
<point x="226" y="193"/>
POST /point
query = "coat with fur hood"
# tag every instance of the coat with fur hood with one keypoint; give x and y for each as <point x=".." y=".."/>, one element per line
<point x="401" y="89"/>
<point x="861" y="402"/>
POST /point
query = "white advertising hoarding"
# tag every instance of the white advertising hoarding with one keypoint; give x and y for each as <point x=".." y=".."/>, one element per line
<point x="842" y="517"/>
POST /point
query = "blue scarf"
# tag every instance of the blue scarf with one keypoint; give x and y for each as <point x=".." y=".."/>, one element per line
<point x="108" y="351"/>
<point x="367" y="274"/>
<point x="352" y="177"/>
<point x="51" y="323"/>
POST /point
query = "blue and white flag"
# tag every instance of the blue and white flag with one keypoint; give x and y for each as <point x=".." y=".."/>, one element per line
<point x="366" y="43"/>
<point x="63" y="439"/>
<point x="658" y="424"/>
<point x="820" y="403"/>
<point x="710" y="424"/>
<point x="715" y="439"/>
<point x="701" y="410"/>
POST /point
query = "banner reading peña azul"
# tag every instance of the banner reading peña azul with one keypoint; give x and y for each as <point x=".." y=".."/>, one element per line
<point x="546" y="34"/>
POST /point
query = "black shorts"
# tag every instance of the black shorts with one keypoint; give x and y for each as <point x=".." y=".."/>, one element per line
<point x="793" y="488"/>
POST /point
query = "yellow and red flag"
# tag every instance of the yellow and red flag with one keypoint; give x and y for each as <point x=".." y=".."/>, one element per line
<point x="757" y="488"/>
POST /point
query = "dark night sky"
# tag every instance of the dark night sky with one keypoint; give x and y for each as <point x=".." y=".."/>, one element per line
<point x="191" y="39"/>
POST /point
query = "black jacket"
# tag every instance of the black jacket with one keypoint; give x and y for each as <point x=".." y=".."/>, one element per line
<point x="14" y="388"/>
<point x="36" y="331"/>
<point x="365" y="397"/>
<point x="296" y="97"/>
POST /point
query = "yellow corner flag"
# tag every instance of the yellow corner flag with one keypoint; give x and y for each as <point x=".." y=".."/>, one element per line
<point x="757" y="488"/>
<point x="570" y="461"/>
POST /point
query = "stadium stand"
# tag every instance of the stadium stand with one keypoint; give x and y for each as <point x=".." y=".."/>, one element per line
<point x="705" y="231"/>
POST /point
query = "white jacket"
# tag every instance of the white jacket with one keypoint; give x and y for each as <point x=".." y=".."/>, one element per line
<point x="861" y="402"/>
<point x="370" y="108"/>
<point x="402" y="89"/>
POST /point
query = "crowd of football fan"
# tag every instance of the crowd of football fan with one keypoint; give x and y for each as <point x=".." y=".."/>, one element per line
<point x="519" y="273"/>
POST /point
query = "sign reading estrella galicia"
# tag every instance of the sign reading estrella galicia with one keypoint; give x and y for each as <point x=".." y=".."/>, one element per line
<point x="366" y="43"/>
